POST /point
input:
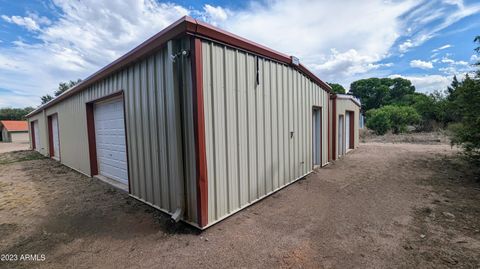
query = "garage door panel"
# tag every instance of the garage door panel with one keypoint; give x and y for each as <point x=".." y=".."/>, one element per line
<point x="110" y="140"/>
<point x="56" y="141"/>
<point x="36" y="132"/>
<point x="114" y="155"/>
<point x="108" y="144"/>
<point x="112" y="163"/>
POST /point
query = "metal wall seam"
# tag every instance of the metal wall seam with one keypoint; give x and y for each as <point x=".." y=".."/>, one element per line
<point x="250" y="150"/>
<point x="151" y="153"/>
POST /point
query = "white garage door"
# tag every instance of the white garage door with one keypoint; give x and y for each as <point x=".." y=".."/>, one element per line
<point x="110" y="140"/>
<point x="56" y="141"/>
<point x="347" y="130"/>
<point x="36" y="133"/>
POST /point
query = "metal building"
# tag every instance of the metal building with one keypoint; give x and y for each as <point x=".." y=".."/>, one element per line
<point x="344" y="135"/>
<point x="196" y="122"/>
<point x="14" y="131"/>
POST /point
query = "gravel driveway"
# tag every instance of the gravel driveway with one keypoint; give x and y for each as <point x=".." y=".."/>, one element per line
<point x="382" y="206"/>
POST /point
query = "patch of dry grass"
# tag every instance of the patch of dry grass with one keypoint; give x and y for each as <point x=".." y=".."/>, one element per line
<point x="19" y="156"/>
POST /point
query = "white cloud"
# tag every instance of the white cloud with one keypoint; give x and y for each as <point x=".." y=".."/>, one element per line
<point x="454" y="2"/>
<point x="405" y="46"/>
<point x="78" y="43"/>
<point x="347" y="63"/>
<point x="26" y="22"/>
<point x="421" y="64"/>
<point x="455" y="67"/>
<point x="442" y="48"/>
<point x="334" y="49"/>
<point x="447" y="60"/>
<point x="474" y="58"/>
<point x="82" y="39"/>
<point x="428" y="18"/>
<point x="427" y="83"/>
<point x="214" y="15"/>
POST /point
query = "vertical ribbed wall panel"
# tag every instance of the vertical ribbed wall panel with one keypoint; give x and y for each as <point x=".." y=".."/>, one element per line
<point x="154" y="128"/>
<point x="250" y="151"/>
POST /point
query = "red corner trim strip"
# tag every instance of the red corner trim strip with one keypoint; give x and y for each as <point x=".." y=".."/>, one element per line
<point x="200" y="147"/>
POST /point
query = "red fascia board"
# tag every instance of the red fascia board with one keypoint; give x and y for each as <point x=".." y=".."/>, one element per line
<point x="320" y="82"/>
<point x="182" y="26"/>
<point x="211" y="32"/>
<point x="177" y="28"/>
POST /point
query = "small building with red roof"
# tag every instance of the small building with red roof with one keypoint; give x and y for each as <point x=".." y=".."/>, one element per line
<point x="14" y="131"/>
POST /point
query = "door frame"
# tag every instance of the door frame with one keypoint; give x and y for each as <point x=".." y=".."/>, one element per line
<point x="319" y="109"/>
<point x="341" y="135"/>
<point x="351" y="142"/>
<point x="347" y="130"/>
<point x="51" y="143"/>
<point x="32" y="132"/>
<point x="92" y="143"/>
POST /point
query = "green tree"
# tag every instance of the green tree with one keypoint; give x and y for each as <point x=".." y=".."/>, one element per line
<point x="46" y="98"/>
<point x="337" y="88"/>
<point x="431" y="108"/>
<point x="377" y="92"/>
<point x="372" y="92"/>
<point x="62" y="87"/>
<point x="392" y="117"/>
<point x="399" y="88"/>
<point x="14" y="113"/>
<point x="466" y="132"/>
<point x="453" y="86"/>
<point x="379" y="121"/>
<point x="465" y="106"/>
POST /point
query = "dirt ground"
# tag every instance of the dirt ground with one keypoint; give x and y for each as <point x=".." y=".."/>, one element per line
<point x="7" y="147"/>
<point x="431" y="138"/>
<point x="384" y="205"/>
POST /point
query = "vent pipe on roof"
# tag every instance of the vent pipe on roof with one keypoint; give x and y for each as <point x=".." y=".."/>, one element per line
<point x="295" y="61"/>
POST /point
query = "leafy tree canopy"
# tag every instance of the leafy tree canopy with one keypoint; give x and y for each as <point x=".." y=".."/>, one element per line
<point x="337" y="88"/>
<point x="377" y="92"/>
<point x="46" y="98"/>
<point x="464" y="104"/>
<point x="391" y="117"/>
<point x="14" y="113"/>
<point x="62" y="87"/>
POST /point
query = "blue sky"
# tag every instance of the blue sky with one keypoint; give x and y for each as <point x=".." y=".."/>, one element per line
<point x="44" y="42"/>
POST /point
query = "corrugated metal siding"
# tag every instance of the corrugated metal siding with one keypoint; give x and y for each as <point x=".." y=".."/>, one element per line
<point x="348" y="105"/>
<point x="42" y="126"/>
<point x="153" y="102"/>
<point x="249" y="150"/>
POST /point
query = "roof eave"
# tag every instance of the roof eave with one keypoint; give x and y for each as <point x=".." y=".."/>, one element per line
<point x="185" y="25"/>
<point x="177" y="28"/>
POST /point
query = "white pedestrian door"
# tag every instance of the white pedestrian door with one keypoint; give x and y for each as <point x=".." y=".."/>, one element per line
<point x="347" y="130"/>
<point x="36" y="136"/>
<point x="341" y="137"/>
<point x="56" y="141"/>
<point x="110" y="140"/>
<point x="316" y="137"/>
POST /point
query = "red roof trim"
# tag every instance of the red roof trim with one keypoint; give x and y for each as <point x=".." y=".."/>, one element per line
<point x="181" y="26"/>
